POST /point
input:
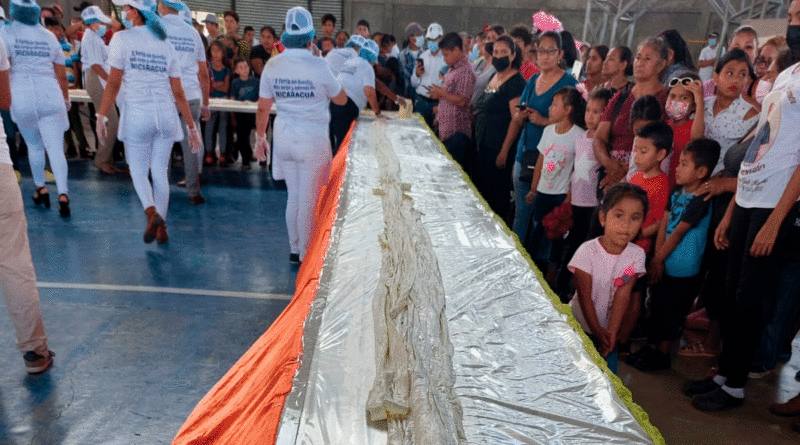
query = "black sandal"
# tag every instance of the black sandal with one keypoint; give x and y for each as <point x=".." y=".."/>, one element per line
<point x="63" y="206"/>
<point x="41" y="198"/>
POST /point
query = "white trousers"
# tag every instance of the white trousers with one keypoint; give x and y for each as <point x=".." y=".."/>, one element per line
<point x="46" y="137"/>
<point x="303" y="159"/>
<point x="17" y="276"/>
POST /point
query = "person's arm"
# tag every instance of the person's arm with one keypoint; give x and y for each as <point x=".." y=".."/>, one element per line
<point x="205" y="81"/>
<point x="657" y="268"/>
<point x="101" y="73"/>
<point x="437" y="92"/>
<point x="651" y="230"/>
<point x="341" y="98"/>
<point x="180" y="100"/>
<point x="226" y="84"/>
<point x="386" y="91"/>
<point x="61" y="77"/>
<point x="666" y="249"/>
<point x="600" y="145"/>
<point x="619" y="306"/>
<point x="5" y="91"/>
<point x="717" y="186"/>
<point x="372" y="99"/>
<point x="583" y="285"/>
<point x="705" y="63"/>
<point x="111" y="91"/>
<point x="764" y="241"/>
<point x="537" y="174"/>
<point x="699" y="123"/>
<point x="262" y="115"/>
<point x="511" y="135"/>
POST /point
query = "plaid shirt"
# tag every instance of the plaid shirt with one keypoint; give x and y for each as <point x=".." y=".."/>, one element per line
<point x="460" y="80"/>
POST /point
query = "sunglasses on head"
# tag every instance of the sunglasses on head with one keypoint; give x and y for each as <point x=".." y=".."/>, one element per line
<point x="682" y="80"/>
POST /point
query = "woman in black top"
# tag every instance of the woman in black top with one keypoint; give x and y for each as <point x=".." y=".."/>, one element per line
<point x="494" y="110"/>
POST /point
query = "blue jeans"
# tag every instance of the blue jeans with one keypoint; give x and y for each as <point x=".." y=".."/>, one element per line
<point x="780" y="317"/>
<point x="522" y="210"/>
<point x="537" y="244"/>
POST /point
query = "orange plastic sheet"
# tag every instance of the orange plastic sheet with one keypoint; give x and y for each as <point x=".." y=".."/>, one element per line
<point x="245" y="406"/>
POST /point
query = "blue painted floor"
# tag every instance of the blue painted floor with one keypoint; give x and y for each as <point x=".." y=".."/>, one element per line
<point x="131" y="362"/>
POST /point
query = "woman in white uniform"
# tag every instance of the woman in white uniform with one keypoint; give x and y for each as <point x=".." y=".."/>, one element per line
<point x="94" y="55"/>
<point x="39" y="97"/>
<point x="143" y="59"/>
<point x="302" y="87"/>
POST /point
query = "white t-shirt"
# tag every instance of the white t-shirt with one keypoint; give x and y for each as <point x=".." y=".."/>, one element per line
<point x="338" y="56"/>
<point x="728" y="126"/>
<point x="301" y="85"/>
<point x="355" y="75"/>
<point x="559" y="158"/>
<point x="32" y="49"/>
<point x="609" y="273"/>
<point x="147" y="64"/>
<point x="433" y="65"/>
<point x="93" y="51"/>
<point x="585" y="176"/>
<point x="5" y="156"/>
<point x="775" y="152"/>
<point x="707" y="54"/>
<point x="189" y="50"/>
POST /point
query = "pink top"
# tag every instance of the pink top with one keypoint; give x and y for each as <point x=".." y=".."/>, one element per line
<point x="585" y="175"/>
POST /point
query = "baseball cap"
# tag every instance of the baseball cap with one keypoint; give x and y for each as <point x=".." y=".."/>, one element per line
<point x="142" y="5"/>
<point x="299" y="21"/>
<point x="413" y="29"/>
<point x="434" y="31"/>
<point x="211" y="18"/>
<point x="713" y="34"/>
<point x="93" y="13"/>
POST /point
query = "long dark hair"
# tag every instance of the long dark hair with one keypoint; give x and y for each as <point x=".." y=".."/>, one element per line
<point x="678" y="47"/>
<point x="573" y="98"/>
<point x="517" y="62"/>
<point x="222" y="47"/>
<point x="570" y="51"/>
<point x="626" y="55"/>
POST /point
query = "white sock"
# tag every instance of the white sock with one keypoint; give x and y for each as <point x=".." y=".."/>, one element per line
<point x="720" y="380"/>
<point x="735" y="392"/>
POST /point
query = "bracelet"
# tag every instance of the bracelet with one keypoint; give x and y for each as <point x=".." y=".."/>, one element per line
<point x="104" y="118"/>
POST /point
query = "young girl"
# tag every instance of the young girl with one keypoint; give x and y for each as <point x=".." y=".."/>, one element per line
<point x="220" y="85"/>
<point x="551" y="177"/>
<point x="685" y="110"/>
<point x="244" y="87"/>
<point x="728" y="117"/>
<point x="606" y="268"/>
<point x="583" y="191"/>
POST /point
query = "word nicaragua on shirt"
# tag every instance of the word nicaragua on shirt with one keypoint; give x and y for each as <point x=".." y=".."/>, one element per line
<point x="148" y="62"/>
<point x="293" y="88"/>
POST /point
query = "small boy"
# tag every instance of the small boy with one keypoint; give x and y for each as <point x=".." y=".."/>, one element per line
<point x="675" y="269"/>
<point x="244" y="87"/>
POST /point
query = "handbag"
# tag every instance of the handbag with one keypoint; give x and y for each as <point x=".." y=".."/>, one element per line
<point x="528" y="162"/>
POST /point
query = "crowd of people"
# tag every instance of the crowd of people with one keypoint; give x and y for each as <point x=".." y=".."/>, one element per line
<point x="648" y="188"/>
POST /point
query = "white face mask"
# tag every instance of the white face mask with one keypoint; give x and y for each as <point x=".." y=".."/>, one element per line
<point x="763" y="88"/>
<point x="394" y="52"/>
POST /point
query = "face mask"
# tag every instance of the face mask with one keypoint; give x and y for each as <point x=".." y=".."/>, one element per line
<point x="712" y="42"/>
<point x="101" y="30"/>
<point x="127" y="23"/>
<point x="677" y="110"/>
<point x="433" y="46"/>
<point x="394" y="52"/>
<point x="473" y="56"/>
<point x="419" y="41"/>
<point x="763" y="88"/>
<point x="501" y="64"/>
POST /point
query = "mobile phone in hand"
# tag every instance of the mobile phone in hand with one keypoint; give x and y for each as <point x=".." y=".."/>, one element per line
<point x="522" y="106"/>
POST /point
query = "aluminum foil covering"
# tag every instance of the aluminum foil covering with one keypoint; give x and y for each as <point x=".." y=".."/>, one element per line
<point x="521" y="373"/>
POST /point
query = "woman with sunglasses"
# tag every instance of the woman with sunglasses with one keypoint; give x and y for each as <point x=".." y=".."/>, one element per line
<point x="767" y="53"/>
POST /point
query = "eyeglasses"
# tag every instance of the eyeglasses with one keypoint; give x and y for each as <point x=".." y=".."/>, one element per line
<point x="683" y="81"/>
<point x="548" y="52"/>
<point x="763" y="61"/>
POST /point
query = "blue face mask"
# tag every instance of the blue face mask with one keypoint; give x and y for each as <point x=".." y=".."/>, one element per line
<point x="101" y="30"/>
<point x="473" y="56"/>
<point x="712" y="42"/>
<point x="420" y="41"/>
<point x="127" y="23"/>
<point x="433" y="46"/>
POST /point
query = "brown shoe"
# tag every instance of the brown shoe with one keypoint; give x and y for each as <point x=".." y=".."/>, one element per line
<point x="197" y="199"/>
<point x="790" y="408"/>
<point x="154" y="221"/>
<point x="161" y="234"/>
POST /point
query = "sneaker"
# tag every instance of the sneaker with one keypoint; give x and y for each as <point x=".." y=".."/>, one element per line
<point x="716" y="400"/>
<point x="696" y="387"/>
<point x="653" y="361"/>
<point x="758" y="372"/>
<point x="294" y="258"/>
<point x="38" y="363"/>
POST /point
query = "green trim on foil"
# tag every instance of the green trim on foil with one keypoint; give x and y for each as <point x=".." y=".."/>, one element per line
<point x="622" y="392"/>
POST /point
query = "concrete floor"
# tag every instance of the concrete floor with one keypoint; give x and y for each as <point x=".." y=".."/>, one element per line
<point x="141" y="332"/>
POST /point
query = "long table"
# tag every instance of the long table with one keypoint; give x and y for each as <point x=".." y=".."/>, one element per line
<point x="215" y="104"/>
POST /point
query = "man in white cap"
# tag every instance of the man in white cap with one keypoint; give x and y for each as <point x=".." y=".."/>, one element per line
<point x="195" y="81"/>
<point x="94" y="55"/>
<point x="212" y="26"/>
<point x="358" y="80"/>
<point x="708" y="56"/>
<point x="426" y="73"/>
<point x="408" y="56"/>
<point x="17" y="276"/>
<point x="302" y="87"/>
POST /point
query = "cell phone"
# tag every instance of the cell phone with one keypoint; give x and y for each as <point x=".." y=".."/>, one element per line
<point x="522" y="106"/>
<point x="421" y="63"/>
